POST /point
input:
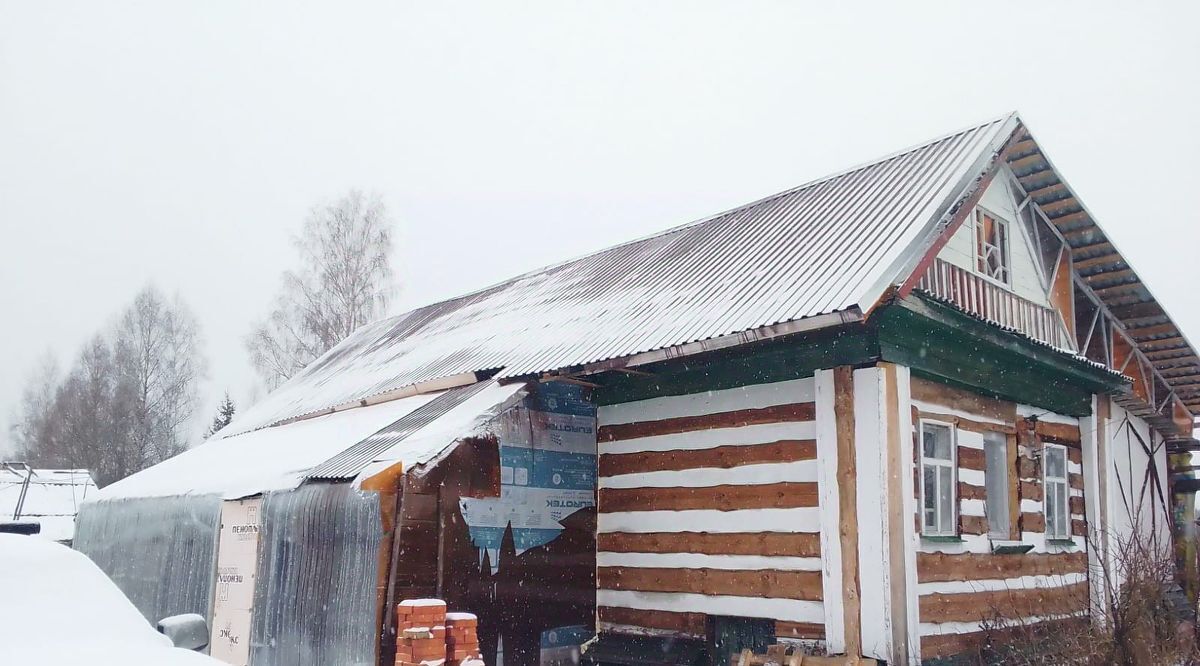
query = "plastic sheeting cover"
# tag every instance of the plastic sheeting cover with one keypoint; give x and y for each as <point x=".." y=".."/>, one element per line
<point x="318" y="564"/>
<point x="159" y="551"/>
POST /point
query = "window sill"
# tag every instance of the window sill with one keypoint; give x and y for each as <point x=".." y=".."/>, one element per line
<point x="1062" y="543"/>
<point x="950" y="538"/>
<point x="1003" y="547"/>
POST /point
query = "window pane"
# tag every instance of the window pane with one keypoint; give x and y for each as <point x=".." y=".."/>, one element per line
<point x="1055" y="465"/>
<point x="935" y="441"/>
<point x="946" y="500"/>
<point x="996" y="481"/>
<point x="1051" y="510"/>
<point x="929" y="500"/>
<point x="1064" y="515"/>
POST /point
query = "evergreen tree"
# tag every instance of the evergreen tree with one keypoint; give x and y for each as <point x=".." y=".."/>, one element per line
<point x="224" y="416"/>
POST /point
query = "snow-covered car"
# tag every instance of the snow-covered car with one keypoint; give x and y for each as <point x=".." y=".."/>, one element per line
<point x="58" y="607"/>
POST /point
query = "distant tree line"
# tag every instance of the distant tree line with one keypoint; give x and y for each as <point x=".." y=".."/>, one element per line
<point x="128" y="398"/>
<point x="124" y="403"/>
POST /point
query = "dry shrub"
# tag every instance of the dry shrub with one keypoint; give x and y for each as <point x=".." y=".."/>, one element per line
<point x="1149" y="621"/>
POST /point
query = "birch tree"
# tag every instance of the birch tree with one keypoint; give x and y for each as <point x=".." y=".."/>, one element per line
<point x="127" y="400"/>
<point x="344" y="280"/>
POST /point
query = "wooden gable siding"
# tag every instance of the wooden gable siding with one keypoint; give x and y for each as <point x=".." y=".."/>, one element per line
<point x="962" y="584"/>
<point x="708" y="506"/>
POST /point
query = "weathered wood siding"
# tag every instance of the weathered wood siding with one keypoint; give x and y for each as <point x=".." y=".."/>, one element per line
<point x="961" y="584"/>
<point x="708" y="505"/>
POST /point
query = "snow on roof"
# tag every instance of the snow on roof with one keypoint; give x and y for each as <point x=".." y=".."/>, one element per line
<point x="52" y="497"/>
<point x="831" y="245"/>
<point x="429" y="443"/>
<point x="263" y="460"/>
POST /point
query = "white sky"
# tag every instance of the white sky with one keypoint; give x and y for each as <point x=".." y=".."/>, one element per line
<point x="183" y="144"/>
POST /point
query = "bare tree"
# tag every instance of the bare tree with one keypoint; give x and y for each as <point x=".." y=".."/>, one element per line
<point x="156" y="347"/>
<point x="126" y="401"/>
<point x="344" y="281"/>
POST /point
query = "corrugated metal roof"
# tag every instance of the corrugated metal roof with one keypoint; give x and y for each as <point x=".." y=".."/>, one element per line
<point x="830" y="245"/>
<point x="347" y="464"/>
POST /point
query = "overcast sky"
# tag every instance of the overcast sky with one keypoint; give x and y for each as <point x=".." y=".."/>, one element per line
<point x="182" y="144"/>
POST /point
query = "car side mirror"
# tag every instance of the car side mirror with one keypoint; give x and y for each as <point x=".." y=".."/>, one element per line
<point x="188" y="631"/>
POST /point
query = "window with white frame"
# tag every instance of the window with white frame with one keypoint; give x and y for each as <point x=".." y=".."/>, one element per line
<point x="991" y="246"/>
<point x="1056" y="492"/>
<point x="995" y="479"/>
<point x="938" y="480"/>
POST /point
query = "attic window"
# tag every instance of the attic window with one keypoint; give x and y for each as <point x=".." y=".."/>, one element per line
<point x="991" y="246"/>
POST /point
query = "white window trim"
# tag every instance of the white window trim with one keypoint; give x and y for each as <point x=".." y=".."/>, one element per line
<point x="953" y="464"/>
<point x="1008" y="227"/>
<point x="1066" y="482"/>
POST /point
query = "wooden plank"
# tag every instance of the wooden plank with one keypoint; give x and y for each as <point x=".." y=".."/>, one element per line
<point x="964" y="423"/>
<point x="1014" y="495"/>
<point x="928" y="391"/>
<point x="1109" y="275"/>
<point x="1049" y="190"/>
<point x="897" y="512"/>
<point x="972" y="524"/>
<point x="1007" y="604"/>
<point x="797" y="544"/>
<point x="1062" y="432"/>
<point x="1103" y="259"/>
<point x="970" y="491"/>
<point x="970" y="458"/>
<point x="1103" y="246"/>
<point x="937" y="646"/>
<point x="1070" y="218"/>
<point x="1031" y="490"/>
<point x="1156" y="329"/>
<point x="946" y="567"/>
<point x="1033" y="522"/>
<point x="803" y="411"/>
<point x="683" y="624"/>
<point x="764" y="583"/>
<point x="788" y="495"/>
<point x="847" y="480"/>
<point x="725" y="457"/>
<point x="801" y="630"/>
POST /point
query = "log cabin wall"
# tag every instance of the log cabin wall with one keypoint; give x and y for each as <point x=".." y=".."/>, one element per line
<point x="961" y="581"/>
<point x="708" y="506"/>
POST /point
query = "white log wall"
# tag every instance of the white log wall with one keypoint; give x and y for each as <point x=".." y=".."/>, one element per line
<point x="708" y="504"/>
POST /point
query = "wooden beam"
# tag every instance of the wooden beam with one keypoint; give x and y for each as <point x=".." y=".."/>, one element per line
<point x="1059" y="205"/>
<point x="1112" y="289"/>
<point x="1137" y="310"/>
<point x="1102" y="246"/>
<point x="1036" y="176"/>
<point x="1070" y="218"/>
<point x="1178" y="339"/>
<point x="1047" y="191"/>
<point x="1111" y="257"/>
<point x="1173" y="354"/>
<point x="1027" y="161"/>
<point x="897" y="515"/>
<point x="1156" y="329"/>
<point x="570" y="380"/>
<point x="847" y="481"/>
<point x="1110" y="275"/>
<point x="1024" y="147"/>
<point x="1082" y="231"/>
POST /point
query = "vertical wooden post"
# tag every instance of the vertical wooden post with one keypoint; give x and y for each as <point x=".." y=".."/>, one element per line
<point x="847" y="481"/>
<point x="897" y="515"/>
<point x="1103" y="408"/>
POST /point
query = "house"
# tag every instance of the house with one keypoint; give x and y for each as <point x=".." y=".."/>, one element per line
<point x="48" y="497"/>
<point x="868" y="413"/>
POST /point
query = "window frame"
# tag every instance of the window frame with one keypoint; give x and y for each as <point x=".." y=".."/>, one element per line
<point x="1007" y="283"/>
<point x="952" y="463"/>
<point x="1065" y="482"/>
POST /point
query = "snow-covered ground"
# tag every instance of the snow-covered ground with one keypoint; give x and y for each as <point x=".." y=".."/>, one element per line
<point x="58" y="608"/>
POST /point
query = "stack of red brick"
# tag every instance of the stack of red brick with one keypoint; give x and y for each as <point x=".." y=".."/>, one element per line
<point x="428" y="636"/>
<point x="462" y="643"/>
